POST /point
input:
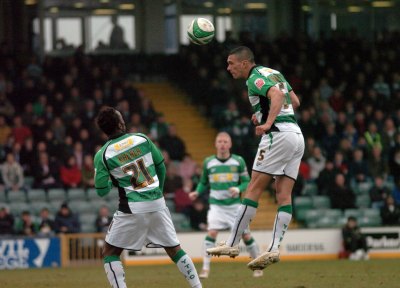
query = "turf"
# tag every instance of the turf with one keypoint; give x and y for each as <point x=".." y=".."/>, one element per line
<point x="298" y="274"/>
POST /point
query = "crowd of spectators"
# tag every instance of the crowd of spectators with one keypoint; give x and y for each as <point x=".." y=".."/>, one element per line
<point x="48" y="134"/>
<point x="350" y="116"/>
<point x="350" y="107"/>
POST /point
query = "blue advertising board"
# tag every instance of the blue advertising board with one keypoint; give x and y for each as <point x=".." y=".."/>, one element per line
<point x="29" y="253"/>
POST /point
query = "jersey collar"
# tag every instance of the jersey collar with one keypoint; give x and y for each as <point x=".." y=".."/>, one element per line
<point x="251" y="70"/>
<point x="223" y="160"/>
<point x="115" y="136"/>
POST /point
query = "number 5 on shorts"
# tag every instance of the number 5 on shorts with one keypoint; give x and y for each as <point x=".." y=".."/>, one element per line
<point x="261" y="155"/>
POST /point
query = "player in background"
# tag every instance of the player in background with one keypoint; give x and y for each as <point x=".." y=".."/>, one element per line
<point x="279" y="152"/>
<point x="226" y="176"/>
<point x="133" y="164"/>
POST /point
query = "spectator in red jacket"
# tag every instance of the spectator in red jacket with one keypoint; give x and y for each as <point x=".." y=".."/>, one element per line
<point x="20" y="132"/>
<point x="70" y="174"/>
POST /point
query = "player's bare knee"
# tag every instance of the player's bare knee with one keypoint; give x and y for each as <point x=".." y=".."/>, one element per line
<point x="246" y="237"/>
<point x="109" y="250"/>
<point x="171" y="251"/>
<point x="213" y="234"/>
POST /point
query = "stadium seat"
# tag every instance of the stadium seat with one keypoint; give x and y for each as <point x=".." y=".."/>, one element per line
<point x="28" y="181"/>
<point x="56" y="194"/>
<point x="310" y="189"/>
<point x="91" y="194"/>
<point x="54" y="206"/>
<point x="362" y="188"/>
<point x="81" y="206"/>
<point x="363" y="201"/>
<point x="88" y="218"/>
<point x="36" y="195"/>
<point x="96" y="204"/>
<point x="4" y="205"/>
<point x="333" y="213"/>
<point x="311" y="218"/>
<point x="39" y="205"/>
<point x="300" y="214"/>
<point x="352" y="212"/>
<point x="16" y="196"/>
<point x="112" y="204"/>
<point x="112" y="195"/>
<point x="16" y="208"/>
<point x="389" y="183"/>
<point x="180" y="221"/>
<point x="326" y="222"/>
<point x="341" y="221"/>
<point x="76" y="194"/>
<point x="371" y="212"/>
<point x="321" y="202"/>
<point x="170" y="204"/>
<point x="88" y="228"/>
<point x="302" y="202"/>
<point x="370" y="221"/>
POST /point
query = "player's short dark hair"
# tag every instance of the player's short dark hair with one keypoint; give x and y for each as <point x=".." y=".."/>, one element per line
<point x="243" y="52"/>
<point x="108" y="120"/>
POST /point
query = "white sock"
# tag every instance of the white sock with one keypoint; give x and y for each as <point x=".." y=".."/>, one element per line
<point x="115" y="274"/>
<point x="252" y="248"/>
<point x="208" y="243"/>
<point x="282" y="220"/>
<point x="245" y="213"/>
<point x="186" y="266"/>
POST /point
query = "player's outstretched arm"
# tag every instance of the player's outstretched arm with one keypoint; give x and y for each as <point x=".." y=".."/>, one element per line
<point x="295" y="100"/>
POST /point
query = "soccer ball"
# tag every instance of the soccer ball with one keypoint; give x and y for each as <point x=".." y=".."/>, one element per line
<point x="201" y="31"/>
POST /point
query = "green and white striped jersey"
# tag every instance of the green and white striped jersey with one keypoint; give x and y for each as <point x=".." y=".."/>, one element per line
<point x="130" y="161"/>
<point x="260" y="80"/>
<point x="220" y="175"/>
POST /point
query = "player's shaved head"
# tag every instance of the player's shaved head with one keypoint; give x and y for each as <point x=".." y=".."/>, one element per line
<point x="243" y="53"/>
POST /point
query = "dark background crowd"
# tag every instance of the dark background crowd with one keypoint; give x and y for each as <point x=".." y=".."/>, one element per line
<point x="350" y="117"/>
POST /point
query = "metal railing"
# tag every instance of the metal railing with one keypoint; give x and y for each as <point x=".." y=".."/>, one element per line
<point x="81" y="249"/>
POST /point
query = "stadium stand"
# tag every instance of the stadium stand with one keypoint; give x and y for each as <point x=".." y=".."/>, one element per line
<point x="54" y="109"/>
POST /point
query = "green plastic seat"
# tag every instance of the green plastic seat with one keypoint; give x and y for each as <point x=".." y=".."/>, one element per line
<point x="363" y="201"/>
<point x="310" y="189"/>
<point x="326" y="222"/>
<point x="311" y="218"/>
<point x="35" y="195"/>
<point x="321" y="202"/>
<point x="56" y="194"/>
<point x="76" y="194"/>
<point x="357" y="213"/>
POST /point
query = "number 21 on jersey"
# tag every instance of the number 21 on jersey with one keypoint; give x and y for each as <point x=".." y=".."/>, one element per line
<point x="138" y="168"/>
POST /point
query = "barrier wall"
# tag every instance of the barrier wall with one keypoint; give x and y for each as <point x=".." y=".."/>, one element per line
<point x="85" y="249"/>
<point x="299" y="244"/>
<point x="30" y="253"/>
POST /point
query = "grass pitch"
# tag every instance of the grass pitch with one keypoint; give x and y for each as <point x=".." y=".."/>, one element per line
<point x="294" y="274"/>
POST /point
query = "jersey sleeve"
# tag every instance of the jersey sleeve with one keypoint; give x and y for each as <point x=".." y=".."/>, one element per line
<point x="102" y="181"/>
<point x="158" y="161"/>
<point x="158" y="158"/>
<point x="259" y="85"/>
<point x="243" y="175"/>
<point x="203" y="183"/>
